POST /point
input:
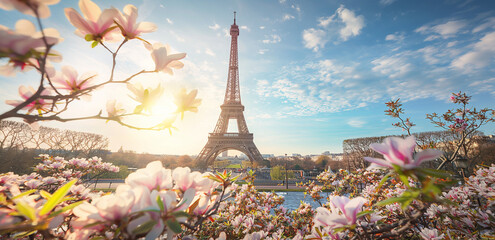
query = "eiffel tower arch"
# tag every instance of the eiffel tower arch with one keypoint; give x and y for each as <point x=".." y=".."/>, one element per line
<point x="220" y="139"/>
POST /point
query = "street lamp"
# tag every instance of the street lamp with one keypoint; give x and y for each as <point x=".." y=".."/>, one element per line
<point x="461" y="163"/>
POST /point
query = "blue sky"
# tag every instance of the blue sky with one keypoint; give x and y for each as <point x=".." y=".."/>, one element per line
<point x="312" y="73"/>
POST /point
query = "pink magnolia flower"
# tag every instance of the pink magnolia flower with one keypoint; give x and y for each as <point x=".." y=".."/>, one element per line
<point x="185" y="179"/>
<point x="41" y="105"/>
<point x="164" y="62"/>
<point x="186" y="101"/>
<point x="114" y="109"/>
<point x="115" y="206"/>
<point x="343" y="212"/>
<point x="33" y="183"/>
<point x="27" y="6"/>
<point x="400" y="151"/>
<point x="154" y="176"/>
<point x="430" y="234"/>
<point x="95" y="25"/>
<point x="128" y="26"/>
<point x="147" y="97"/>
<point x="23" y="45"/>
<point x="68" y="79"/>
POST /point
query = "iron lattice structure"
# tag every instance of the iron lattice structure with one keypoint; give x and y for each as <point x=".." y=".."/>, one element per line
<point x="221" y="140"/>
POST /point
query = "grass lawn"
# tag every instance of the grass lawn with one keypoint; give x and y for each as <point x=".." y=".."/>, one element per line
<point x="234" y="166"/>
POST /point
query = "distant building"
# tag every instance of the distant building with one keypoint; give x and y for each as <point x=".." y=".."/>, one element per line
<point x="265" y="156"/>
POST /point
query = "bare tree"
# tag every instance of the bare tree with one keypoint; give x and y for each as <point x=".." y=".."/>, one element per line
<point x="19" y="144"/>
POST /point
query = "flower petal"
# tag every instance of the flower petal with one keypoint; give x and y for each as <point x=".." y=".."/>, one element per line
<point x="90" y="10"/>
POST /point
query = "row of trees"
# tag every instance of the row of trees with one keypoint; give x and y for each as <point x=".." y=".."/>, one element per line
<point x="479" y="149"/>
<point x="139" y="160"/>
<point x="19" y="145"/>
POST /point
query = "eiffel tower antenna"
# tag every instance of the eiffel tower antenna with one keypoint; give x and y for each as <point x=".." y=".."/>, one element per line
<point x="220" y="140"/>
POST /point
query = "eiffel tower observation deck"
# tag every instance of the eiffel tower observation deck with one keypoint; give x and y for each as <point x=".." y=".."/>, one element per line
<point x="220" y="140"/>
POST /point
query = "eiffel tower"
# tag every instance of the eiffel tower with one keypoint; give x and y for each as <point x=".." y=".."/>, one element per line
<point x="221" y="140"/>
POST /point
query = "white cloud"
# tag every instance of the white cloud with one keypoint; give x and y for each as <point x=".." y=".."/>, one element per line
<point x="264" y="116"/>
<point x="489" y="23"/>
<point x="282" y="1"/>
<point x="177" y="37"/>
<point x="314" y="38"/>
<point x="262" y="51"/>
<point x="356" y="123"/>
<point x="262" y="88"/>
<point x="214" y="27"/>
<point x="274" y="38"/>
<point x="262" y="27"/>
<point x="480" y="56"/>
<point x="245" y="28"/>
<point x="399" y="37"/>
<point x="297" y="8"/>
<point x="330" y="72"/>
<point x="325" y="21"/>
<point x="209" y="52"/>
<point x="344" y="21"/>
<point x="429" y="54"/>
<point x="169" y="21"/>
<point x="394" y="66"/>
<point x="287" y="17"/>
<point x="444" y="30"/>
<point x="353" y="23"/>
<point x="449" y="28"/>
<point x="386" y="2"/>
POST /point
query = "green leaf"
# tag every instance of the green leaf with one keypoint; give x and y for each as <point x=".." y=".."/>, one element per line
<point x="180" y="214"/>
<point x="26" y="210"/>
<point x="94" y="44"/>
<point x="383" y="181"/>
<point x="26" y="193"/>
<point x="144" y="228"/>
<point x="56" y="197"/>
<point x="364" y="213"/>
<point x="391" y="200"/>
<point x="66" y="208"/>
<point x="160" y="203"/>
<point x="138" y="109"/>
<point x="434" y="173"/>
<point x="235" y="178"/>
<point x="45" y="194"/>
<point x="89" y="37"/>
<point x="174" y="225"/>
<point x="23" y="234"/>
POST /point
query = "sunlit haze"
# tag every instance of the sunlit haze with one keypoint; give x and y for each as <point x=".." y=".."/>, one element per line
<point x="312" y="73"/>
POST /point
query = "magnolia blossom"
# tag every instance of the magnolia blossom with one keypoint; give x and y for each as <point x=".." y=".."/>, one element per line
<point x="114" y="109"/>
<point x="95" y="25"/>
<point x="164" y="62"/>
<point x="398" y="151"/>
<point x="128" y="26"/>
<point x="185" y="179"/>
<point x="186" y="101"/>
<point x="33" y="183"/>
<point x="430" y="234"/>
<point x="68" y="79"/>
<point x="41" y="105"/>
<point x="154" y="176"/>
<point x="343" y="212"/>
<point x="24" y="44"/>
<point x="27" y="6"/>
<point x="147" y="97"/>
<point x="115" y="206"/>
